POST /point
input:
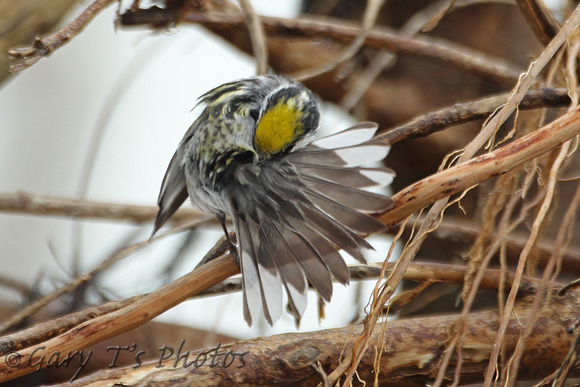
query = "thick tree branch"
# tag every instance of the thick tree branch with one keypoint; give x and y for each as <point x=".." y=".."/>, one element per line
<point x="406" y="353"/>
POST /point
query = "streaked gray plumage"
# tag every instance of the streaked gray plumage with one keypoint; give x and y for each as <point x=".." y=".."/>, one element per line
<point x="294" y="202"/>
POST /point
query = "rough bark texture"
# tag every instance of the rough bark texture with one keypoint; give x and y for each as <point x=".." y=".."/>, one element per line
<point x="408" y="353"/>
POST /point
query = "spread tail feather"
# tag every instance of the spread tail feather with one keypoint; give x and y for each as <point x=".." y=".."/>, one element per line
<point x="294" y="213"/>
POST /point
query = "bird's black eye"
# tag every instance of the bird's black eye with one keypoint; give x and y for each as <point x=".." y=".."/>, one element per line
<point x="255" y="114"/>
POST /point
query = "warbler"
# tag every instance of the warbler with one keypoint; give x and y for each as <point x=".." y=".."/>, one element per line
<point x="294" y="201"/>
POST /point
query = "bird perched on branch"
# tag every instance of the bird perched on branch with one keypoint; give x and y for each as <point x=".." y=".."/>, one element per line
<point x="294" y="202"/>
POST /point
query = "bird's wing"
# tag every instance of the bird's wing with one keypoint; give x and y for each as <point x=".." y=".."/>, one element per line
<point x="173" y="189"/>
<point x="293" y="214"/>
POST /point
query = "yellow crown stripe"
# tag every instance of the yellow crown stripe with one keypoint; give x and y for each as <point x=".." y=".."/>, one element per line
<point x="278" y="127"/>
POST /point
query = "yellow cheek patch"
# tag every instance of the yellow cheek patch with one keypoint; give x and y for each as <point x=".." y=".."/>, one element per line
<point x="278" y="127"/>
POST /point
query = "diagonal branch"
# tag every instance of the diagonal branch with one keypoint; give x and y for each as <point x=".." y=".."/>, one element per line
<point x="27" y="56"/>
<point x="454" y="55"/>
<point x="474" y="171"/>
<point x="410" y="353"/>
<point x="540" y="19"/>
<point x="257" y="35"/>
<point x="369" y="19"/>
<point x="138" y="313"/>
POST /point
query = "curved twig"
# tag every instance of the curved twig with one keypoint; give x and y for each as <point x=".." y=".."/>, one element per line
<point x="454" y="55"/>
<point x="257" y="35"/>
<point x="369" y="20"/>
<point x="27" y="56"/>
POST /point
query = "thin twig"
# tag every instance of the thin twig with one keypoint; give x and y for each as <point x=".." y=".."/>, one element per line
<point x="369" y="19"/>
<point x="534" y="70"/>
<point x="562" y="238"/>
<point x="385" y="59"/>
<point x="42" y="302"/>
<point x="257" y="35"/>
<point x="460" y="326"/>
<point x="542" y="292"/>
<point x="461" y="113"/>
<point x="25" y="203"/>
<point x="569" y="362"/>
<point x="27" y="56"/>
<point x="17" y="286"/>
<point x="510" y="301"/>
<point x="418" y="271"/>
<point x="380" y="295"/>
<point x="570" y="286"/>
<point x="382" y="292"/>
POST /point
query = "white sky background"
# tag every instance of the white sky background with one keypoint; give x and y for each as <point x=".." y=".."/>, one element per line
<point x="148" y="83"/>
